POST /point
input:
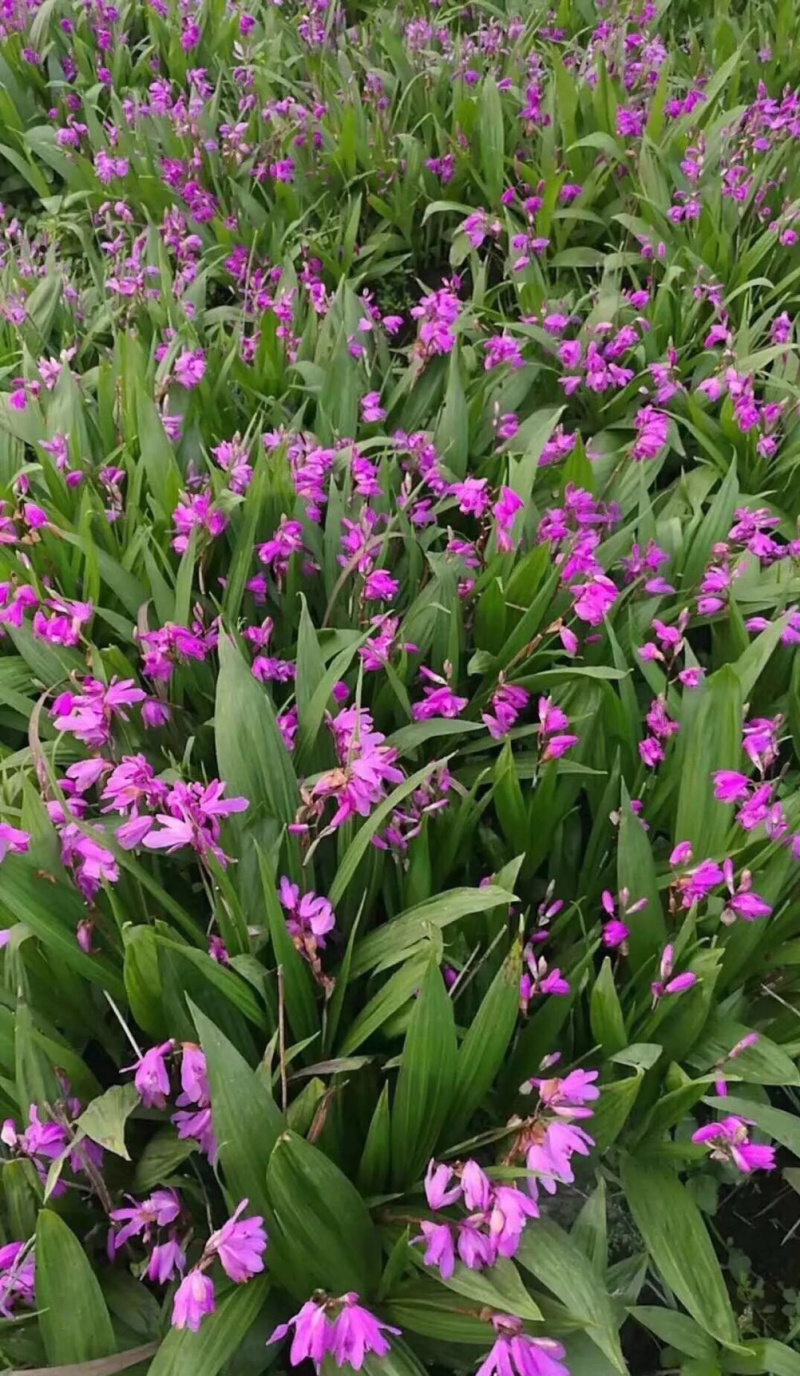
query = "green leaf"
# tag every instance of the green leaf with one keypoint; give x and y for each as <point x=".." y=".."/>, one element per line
<point x="714" y="742"/>
<point x="678" y="1242"/>
<point x="321" y="1233"/>
<point x="389" y="943"/>
<point x="676" y="1329"/>
<point x="764" y="1355"/>
<point x="24" y="897"/>
<point x="486" y="1043"/>
<point x="247" y="1122"/>
<point x="636" y="872"/>
<point x="74" y="1321"/>
<point x="590" y="1229"/>
<point x="426" y="1081"/>
<point x="373" y="1169"/>
<point x="557" y="1262"/>
<point x="206" y="1352"/>
<point x="501" y="1287"/>
<point x="251" y="755"/>
<point x="159" y="1159"/>
<point x="492" y="139"/>
<point x="298" y="985"/>
<point x="605" y="1011"/>
<point x="104" y="1119"/>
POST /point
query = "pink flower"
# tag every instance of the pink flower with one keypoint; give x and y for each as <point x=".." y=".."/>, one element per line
<point x="516" y="1354"/>
<point x="165" y="1259"/>
<point x="190" y="367"/>
<point x="439" y="1247"/>
<point x="438" y="1190"/>
<point x="13" y="840"/>
<point x="730" y="786"/>
<point x="240" y="1246"/>
<point x="439" y="700"/>
<point x="194" y="1082"/>
<point x="152" y="1077"/>
<point x="730" y="1142"/>
<point x="340" y="1327"/>
<point x="507" y="703"/>
<point x="504" y="512"/>
<point x="550" y="1159"/>
<point x="371" y="409"/>
<point x="309" y="916"/>
<point x="194" y="1298"/>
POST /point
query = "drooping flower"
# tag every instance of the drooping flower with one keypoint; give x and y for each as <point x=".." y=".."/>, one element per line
<point x="152" y="1076"/>
<point x="730" y="1141"/>
<point x="516" y="1354"/>
<point x="340" y="1327"/>
<point x="194" y="1298"/>
<point x="240" y="1245"/>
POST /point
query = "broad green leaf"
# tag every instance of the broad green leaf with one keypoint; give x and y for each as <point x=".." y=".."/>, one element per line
<point x="320" y="1223"/>
<point x="74" y="1321"/>
<point x="390" y="942"/>
<point x="247" y="1122"/>
<point x="427" y="1079"/>
<point x="251" y="755"/>
<point x="676" y="1329"/>
<point x="558" y="1263"/>
<point x="764" y="1355"/>
<point x="104" y="1366"/>
<point x="678" y="1242"/>
<point x="590" y="1229"/>
<point x="605" y="1011"/>
<point x="104" y="1119"/>
<point x="636" y="873"/>
<point x="373" y="1169"/>
<point x="486" y="1043"/>
<point x="492" y="140"/>
<point x="714" y="742"/>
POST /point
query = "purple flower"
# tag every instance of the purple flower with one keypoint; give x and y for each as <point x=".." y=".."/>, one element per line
<point x="516" y="1354"/>
<point x="550" y="1158"/>
<point x="152" y="1077"/>
<point x="371" y="409"/>
<point x="190" y="367"/>
<point x="730" y="1142"/>
<point x="165" y="1259"/>
<point x="438" y="1190"/>
<point x="339" y="1327"/>
<point x="439" y="1247"/>
<point x="194" y="1298"/>
<point x="17" y="1277"/>
<point x="730" y="786"/>
<point x="439" y="700"/>
<point x="310" y="917"/>
<point x="194" y="1081"/>
<point x="507" y="703"/>
<point x="240" y="1246"/>
<point x="139" y="1220"/>
<point x="13" y="840"/>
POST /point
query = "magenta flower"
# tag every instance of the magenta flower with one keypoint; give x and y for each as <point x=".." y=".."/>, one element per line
<point x="667" y="984"/>
<point x="730" y="786"/>
<point x="730" y="1142"/>
<point x="567" y="1097"/>
<point x="439" y="1247"/>
<point x="516" y="1354"/>
<point x="166" y="1259"/>
<point x="139" y="1220"/>
<point x="550" y="1158"/>
<point x="240" y="1246"/>
<point x="507" y="703"/>
<point x="504" y="513"/>
<point x="439" y="700"/>
<point x="438" y="1190"/>
<point x="13" y="840"/>
<point x="17" y="1277"/>
<point x="152" y="1076"/>
<point x="309" y="917"/>
<point x="339" y="1327"/>
<point x="194" y="1298"/>
<point x="194" y="1080"/>
<point x="190" y="367"/>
